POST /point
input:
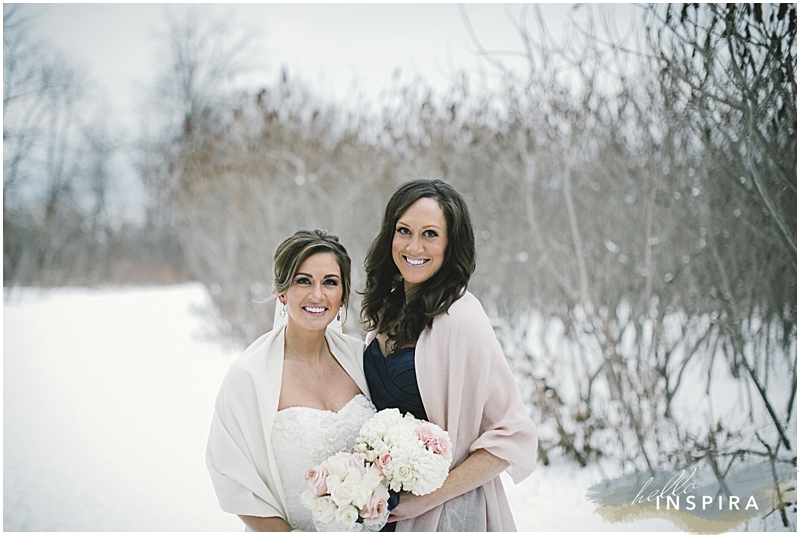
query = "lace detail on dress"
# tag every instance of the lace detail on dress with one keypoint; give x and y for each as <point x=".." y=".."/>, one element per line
<point x="303" y="437"/>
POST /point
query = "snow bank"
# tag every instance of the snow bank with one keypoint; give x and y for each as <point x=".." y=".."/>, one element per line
<point x="108" y="395"/>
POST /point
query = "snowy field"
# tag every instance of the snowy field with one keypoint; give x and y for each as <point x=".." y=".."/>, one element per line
<point x="108" y="395"/>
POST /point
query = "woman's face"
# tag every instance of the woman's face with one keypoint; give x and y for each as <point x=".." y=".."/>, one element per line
<point x="420" y="241"/>
<point x="315" y="294"/>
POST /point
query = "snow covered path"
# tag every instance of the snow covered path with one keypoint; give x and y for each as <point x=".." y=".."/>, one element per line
<point x="108" y="395"/>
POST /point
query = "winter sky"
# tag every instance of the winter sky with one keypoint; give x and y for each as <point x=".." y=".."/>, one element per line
<point x="343" y="52"/>
<point x="331" y="46"/>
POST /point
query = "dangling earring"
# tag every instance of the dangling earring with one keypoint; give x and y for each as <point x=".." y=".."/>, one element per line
<point x="283" y="311"/>
<point x="339" y="315"/>
<point x="397" y="280"/>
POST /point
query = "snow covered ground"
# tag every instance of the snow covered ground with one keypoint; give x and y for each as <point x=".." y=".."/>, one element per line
<point x="108" y="395"/>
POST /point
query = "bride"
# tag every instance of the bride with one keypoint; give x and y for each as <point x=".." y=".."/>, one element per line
<point x="296" y="396"/>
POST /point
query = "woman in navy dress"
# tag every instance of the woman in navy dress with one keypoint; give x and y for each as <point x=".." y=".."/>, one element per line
<point x="431" y="352"/>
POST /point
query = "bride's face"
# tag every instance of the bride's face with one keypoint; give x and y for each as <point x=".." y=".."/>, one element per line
<point x="315" y="295"/>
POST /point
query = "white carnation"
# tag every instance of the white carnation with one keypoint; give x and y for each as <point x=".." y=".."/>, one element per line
<point x="412" y="466"/>
<point x="378" y="424"/>
<point x="431" y="473"/>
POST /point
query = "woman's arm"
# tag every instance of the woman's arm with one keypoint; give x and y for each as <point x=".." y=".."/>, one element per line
<point x="269" y="523"/>
<point x="477" y="469"/>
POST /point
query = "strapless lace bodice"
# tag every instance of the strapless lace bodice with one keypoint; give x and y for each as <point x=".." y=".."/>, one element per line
<point x="303" y="437"/>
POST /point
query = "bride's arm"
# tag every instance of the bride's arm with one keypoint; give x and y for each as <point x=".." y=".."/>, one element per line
<point x="477" y="469"/>
<point x="269" y="523"/>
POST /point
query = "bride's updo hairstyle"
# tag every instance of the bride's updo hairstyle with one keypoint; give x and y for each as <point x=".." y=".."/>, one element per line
<point x="384" y="307"/>
<point x="301" y="245"/>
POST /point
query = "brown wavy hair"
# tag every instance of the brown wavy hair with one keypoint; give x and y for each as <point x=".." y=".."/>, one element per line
<point x="384" y="307"/>
<point x="295" y="249"/>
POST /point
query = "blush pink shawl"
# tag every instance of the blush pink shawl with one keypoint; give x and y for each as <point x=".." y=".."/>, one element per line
<point x="467" y="389"/>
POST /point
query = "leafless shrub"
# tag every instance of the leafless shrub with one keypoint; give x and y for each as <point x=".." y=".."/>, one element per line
<point x="630" y="279"/>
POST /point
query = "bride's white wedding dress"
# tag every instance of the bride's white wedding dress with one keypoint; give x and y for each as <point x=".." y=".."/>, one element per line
<point x="303" y="437"/>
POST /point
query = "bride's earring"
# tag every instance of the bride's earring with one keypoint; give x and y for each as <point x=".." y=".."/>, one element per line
<point x="283" y="311"/>
<point x="339" y="315"/>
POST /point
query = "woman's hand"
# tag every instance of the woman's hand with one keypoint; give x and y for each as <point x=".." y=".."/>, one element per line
<point x="477" y="469"/>
<point x="411" y="506"/>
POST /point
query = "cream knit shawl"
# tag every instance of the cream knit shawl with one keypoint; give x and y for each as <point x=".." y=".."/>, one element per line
<point x="239" y="454"/>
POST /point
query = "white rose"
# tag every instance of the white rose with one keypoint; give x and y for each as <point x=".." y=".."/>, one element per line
<point x="404" y="475"/>
<point x="361" y="491"/>
<point x="373" y="483"/>
<point x="381" y="491"/>
<point x="360" y="495"/>
<point x="344" y="493"/>
<point x="353" y="474"/>
<point x="308" y="498"/>
<point x="332" y="482"/>
<point x="372" y="478"/>
<point x="346" y="515"/>
<point x="324" y="509"/>
<point x="338" y="464"/>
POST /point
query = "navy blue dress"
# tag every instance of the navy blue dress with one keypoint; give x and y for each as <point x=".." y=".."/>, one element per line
<point x="392" y="380"/>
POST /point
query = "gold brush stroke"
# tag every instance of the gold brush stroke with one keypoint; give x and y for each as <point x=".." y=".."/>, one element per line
<point x="683" y="520"/>
<point x="688" y="522"/>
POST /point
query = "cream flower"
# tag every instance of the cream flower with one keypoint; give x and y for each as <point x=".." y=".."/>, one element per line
<point x="344" y="493"/>
<point x="338" y="464"/>
<point x="324" y="510"/>
<point x="346" y="515"/>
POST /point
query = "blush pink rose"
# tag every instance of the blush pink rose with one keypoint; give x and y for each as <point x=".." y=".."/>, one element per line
<point x="316" y="480"/>
<point x="357" y="461"/>
<point x="425" y="435"/>
<point x="440" y="446"/>
<point x="374" y="509"/>
<point x="383" y="461"/>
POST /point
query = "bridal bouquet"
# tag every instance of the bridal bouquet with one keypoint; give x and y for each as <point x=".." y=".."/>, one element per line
<point x="413" y="455"/>
<point x="346" y="494"/>
<point x="349" y="491"/>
